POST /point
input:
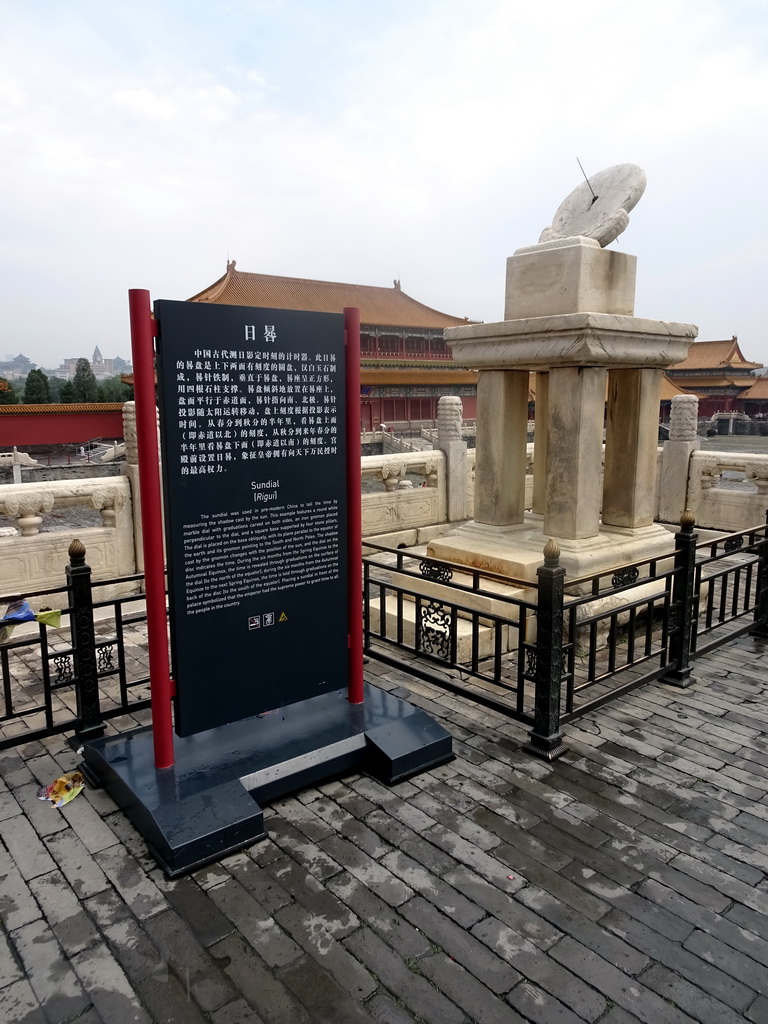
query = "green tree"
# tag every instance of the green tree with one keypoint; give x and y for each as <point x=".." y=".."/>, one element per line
<point x="84" y="382"/>
<point x="113" y="390"/>
<point x="67" y="393"/>
<point x="36" y="390"/>
<point x="7" y="395"/>
<point x="54" y="387"/>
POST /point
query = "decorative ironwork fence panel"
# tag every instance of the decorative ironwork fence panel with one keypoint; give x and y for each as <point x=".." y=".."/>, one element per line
<point x="730" y="588"/>
<point x="616" y="635"/>
<point x="445" y="624"/>
<point x="614" y="631"/>
<point x="42" y="666"/>
<point x="543" y="653"/>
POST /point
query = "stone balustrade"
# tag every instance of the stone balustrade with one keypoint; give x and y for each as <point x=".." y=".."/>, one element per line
<point x="33" y="556"/>
<point x="408" y="497"/>
<point x="391" y="502"/>
<point x="393" y="470"/>
<point x="727" y="491"/>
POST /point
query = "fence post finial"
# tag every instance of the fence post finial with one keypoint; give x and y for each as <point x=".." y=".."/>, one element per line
<point x="77" y="552"/>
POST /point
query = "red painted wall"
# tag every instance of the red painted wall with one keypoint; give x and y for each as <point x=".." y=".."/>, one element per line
<point x="24" y="425"/>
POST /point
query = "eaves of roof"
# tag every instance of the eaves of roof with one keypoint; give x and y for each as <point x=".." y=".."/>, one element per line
<point x="758" y="390"/>
<point x="708" y="355"/>
<point x="378" y="306"/>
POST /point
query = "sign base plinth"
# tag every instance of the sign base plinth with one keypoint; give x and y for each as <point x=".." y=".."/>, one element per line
<point x="208" y="804"/>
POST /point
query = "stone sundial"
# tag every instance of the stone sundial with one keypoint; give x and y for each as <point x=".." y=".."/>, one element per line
<point x="599" y="207"/>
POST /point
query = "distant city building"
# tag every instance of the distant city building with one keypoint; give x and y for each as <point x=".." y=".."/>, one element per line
<point x="102" y="368"/>
<point x="16" y="367"/>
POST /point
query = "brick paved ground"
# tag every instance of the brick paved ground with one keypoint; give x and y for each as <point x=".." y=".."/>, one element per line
<point x="626" y="882"/>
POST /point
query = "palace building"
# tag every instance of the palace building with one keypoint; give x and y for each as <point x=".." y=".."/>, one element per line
<point x="719" y="375"/>
<point x="405" y="365"/>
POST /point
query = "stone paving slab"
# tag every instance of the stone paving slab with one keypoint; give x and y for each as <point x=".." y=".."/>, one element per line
<point x="626" y="882"/>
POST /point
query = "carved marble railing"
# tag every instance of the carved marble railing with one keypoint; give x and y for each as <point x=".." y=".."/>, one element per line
<point x="16" y="458"/>
<point x="726" y="490"/>
<point x="391" y="470"/>
<point x="408" y="496"/>
<point x="399" y="502"/>
<point x="35" y="557"/>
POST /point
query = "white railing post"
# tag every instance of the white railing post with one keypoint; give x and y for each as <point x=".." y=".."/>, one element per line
<point x="449" y="412"/>
<point x="683" y="440"/>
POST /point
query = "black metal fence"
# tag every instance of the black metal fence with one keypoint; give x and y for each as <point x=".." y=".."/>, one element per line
<point x="542" y="652"/>
<point x="91" y="669"/>
<point x="548" y="652"/>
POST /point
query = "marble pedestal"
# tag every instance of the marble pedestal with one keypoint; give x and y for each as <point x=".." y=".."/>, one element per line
<point x="567" y="276"/>
<point x="597" y="373"/>
<point x="516" y="551"/>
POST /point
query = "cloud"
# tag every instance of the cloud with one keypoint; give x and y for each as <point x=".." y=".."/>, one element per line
<point x="146" y="143"/>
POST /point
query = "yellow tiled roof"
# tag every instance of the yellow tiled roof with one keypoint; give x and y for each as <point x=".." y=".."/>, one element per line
<point x="713" y="382"/>
<point x="74" y="408"/>
<point x="758" y="390"/>
<point x="707" y="355"/>
<point x="382" y="307"/>
<point x="669" y="389"/>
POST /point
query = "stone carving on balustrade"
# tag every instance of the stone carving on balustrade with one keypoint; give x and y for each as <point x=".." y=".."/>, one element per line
<point x="108" y="501"/>
<point x="431" y="467"/>
<point x="683" y="418"/>
<point x="15" y="457"/>
<point x="129" y="434"/>
<point x="758" y="474"/>
<point x="449" y="418"/>
<point x="411" y="509"/>
<point x="28" y="508"/>
<point x="392" y="473"/>
<point x="710" y="474"/>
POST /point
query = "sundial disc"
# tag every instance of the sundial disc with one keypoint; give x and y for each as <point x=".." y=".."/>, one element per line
<point x="599" y="208"/>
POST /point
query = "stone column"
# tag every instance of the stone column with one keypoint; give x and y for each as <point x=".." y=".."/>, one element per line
<point x="540" y="443"/>
<point x="631" y="446"/>
<point x="502" y="434"/>
<point x="676" y="457"/>
<point x="449" y="417"/>
<point x="574" y="449"/>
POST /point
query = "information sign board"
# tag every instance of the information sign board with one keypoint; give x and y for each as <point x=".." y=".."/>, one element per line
<point x="253" y="446"/>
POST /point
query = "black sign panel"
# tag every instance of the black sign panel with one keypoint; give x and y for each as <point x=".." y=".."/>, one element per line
<point x="253" y="446"/>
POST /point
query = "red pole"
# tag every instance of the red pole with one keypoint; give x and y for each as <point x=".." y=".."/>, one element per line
<point x="161" y="685"/>
<point x="354" y="505"/>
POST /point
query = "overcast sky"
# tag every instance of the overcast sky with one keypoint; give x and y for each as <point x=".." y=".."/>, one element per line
<point x="144" y="143"/>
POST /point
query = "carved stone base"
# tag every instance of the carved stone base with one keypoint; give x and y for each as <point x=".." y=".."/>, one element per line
<point x="516" y="551"/>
